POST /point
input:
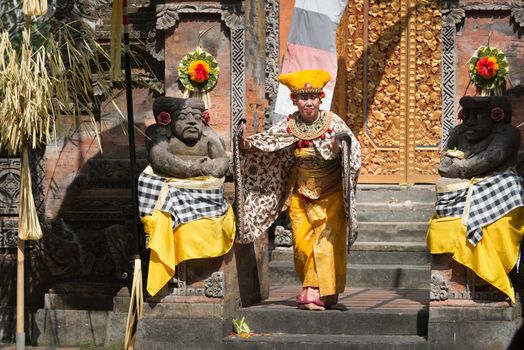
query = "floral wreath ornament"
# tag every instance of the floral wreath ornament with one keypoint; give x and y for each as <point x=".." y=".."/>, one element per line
<point x="488" y="68"/>
<point x="198" y="73"/>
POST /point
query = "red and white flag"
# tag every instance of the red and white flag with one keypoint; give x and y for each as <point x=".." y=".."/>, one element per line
<point x="311" y="44"/>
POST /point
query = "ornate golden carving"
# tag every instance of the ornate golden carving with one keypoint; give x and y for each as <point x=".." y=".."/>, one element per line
<point x="394" y="85"/>
<point x="427" y="113"/>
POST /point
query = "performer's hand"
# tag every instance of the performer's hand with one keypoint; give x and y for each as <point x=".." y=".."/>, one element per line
<point x="244" y="142"/>
<point x="334" y="147"/>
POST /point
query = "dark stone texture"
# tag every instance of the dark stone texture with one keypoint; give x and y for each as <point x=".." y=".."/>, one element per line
<point x="282" y="273"/>
<point x="59" y="328"/>
<point x="337" y="321"/>
<point x="186" y="146"/>
<point x="468" y="334"/>
<point x="194" y="334"/>
<point x="488" y="145"/>
<point x="326" y="342"/>
<point x="252" y="262"/>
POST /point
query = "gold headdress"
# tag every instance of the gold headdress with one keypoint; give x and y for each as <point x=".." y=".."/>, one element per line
<point x="305" y="81"/>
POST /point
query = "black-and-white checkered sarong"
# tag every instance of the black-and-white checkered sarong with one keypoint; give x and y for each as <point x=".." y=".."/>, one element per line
<point x="490" y="199"/>
<point x="184" y="204"/>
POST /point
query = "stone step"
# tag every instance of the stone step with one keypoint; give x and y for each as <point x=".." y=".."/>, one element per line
<point x="412" y="253"/>
<point x="326" y="342"/>
<point x="389" y="276"/>
<point x="282" y="273"/>
<point x="392" y="231"/>
<point x="336" y="321"/>
<point x="395" y="212"/>
<point x="405" y="253"/>
<point x="395" y="193"/>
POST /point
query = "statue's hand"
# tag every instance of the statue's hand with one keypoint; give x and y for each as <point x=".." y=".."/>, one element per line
<point x="216" y="167"/>
<point x="451" y="167"/>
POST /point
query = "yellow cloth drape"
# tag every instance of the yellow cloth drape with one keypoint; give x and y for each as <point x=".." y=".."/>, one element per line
<point x="319" y="242"/>
<point x="202" y="238"/>
<point x="493" y="257"/>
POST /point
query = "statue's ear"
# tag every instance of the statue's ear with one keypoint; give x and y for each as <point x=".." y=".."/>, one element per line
<point x="497" y="114"/>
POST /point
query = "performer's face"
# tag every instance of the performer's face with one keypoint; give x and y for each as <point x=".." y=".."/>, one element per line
<point x="308" y="105"/>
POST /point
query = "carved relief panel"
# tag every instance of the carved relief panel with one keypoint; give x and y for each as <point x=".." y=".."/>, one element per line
<point x="219" y="29"/>
<point x="393" y="58"/>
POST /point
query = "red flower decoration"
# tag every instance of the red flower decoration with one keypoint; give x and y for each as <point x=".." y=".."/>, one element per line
<point x="486" y="67"/>
<point x="322" y="95"/>
<point x="330" y="130"/>
<point x="323" y="136"/>
<point x="206" y="117"/>
<point x="288" y="130"/>
<point x="292" y="97"/>
<point x="497" y="114"/>
<point x="163" y="118"/>
<point x="306" y="142"/>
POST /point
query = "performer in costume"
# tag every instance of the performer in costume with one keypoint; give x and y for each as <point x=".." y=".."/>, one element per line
<point x="299" y="164"/>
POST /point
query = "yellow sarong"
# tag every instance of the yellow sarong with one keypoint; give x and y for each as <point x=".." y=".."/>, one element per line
<point x="319" y="242"/>
<point x="202" y="238"/>
<point x="493" y="257"/>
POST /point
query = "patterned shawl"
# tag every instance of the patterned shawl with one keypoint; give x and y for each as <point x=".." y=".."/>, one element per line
<point x="262" y="175"/>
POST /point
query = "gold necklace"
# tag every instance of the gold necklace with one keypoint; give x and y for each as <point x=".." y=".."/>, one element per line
<point x="304" y="131"/>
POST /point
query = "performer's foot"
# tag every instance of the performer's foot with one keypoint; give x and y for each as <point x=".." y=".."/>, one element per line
<point x="311" y="307"/>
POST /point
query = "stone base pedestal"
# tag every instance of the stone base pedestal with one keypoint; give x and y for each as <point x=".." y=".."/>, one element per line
<point x="80" y="315"/>
<point x="467" y="313"/>
<point x="193" y="309"/>
<point x="480" y="326"/>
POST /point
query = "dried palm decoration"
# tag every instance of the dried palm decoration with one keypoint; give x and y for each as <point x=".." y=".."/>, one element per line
<point x="36" y="86"/>
<point x="35" y="7"/>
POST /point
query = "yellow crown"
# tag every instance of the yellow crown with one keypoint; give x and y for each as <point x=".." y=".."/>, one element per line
<point x="312" y="80"/>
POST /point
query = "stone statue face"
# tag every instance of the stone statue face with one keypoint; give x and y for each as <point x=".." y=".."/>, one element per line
<point x="187" y="124"/>
<point x="477" y="124"/>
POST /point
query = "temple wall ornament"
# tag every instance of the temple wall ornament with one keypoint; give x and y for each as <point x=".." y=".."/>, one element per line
<point x="9" y="194"/>
<point x="9" y="185"/>
<point x="215" y="285"/>
<point x="451" y="18"/>
<point x="439" y="289"/>
<point x="232" y="15"/>
<point x="272" y="8"/>
<point x="283" y="237"/>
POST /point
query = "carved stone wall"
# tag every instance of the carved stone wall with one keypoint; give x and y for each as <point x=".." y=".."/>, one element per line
<point x="229" y="95"/>
<point x="272" y="56"/>
<point x="504" y="20"/>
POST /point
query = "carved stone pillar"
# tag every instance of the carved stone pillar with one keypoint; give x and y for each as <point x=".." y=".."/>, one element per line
<point x="209" y="285"/>
<point x="464" y="310"/>
<point x="451" y="17"/>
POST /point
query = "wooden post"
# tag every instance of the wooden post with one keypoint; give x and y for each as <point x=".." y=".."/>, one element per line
<point x="20" y="258"/>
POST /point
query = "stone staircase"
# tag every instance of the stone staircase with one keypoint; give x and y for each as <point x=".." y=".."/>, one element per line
<point x="386" y="304"/>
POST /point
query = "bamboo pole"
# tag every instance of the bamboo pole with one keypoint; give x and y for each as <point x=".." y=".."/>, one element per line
<point x="20" y="258"/>
<point x="136" y="300"/>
